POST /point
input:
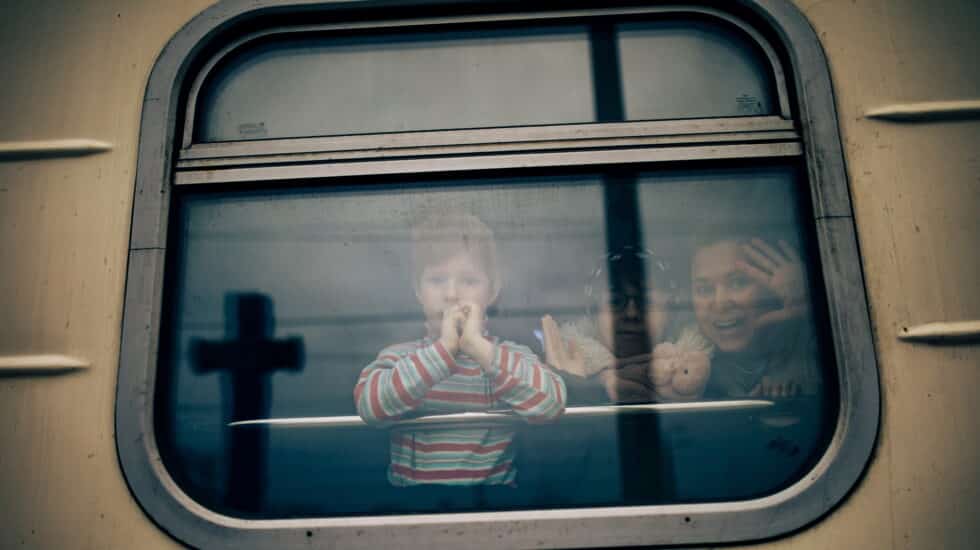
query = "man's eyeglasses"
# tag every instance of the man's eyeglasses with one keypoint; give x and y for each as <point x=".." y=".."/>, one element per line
<point x="618" y="302"/>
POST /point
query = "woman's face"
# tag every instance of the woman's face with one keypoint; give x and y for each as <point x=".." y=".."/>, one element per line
<point x="624" y="328"/>
<point x="727" y="302"/>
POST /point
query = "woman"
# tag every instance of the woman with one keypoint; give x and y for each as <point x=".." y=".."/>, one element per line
<point x="751" y="302"/>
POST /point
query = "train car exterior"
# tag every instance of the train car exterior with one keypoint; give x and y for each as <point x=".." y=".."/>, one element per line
<point x="906" y="89"/>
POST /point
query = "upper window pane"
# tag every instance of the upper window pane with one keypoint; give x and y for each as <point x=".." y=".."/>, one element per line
<point x="688" y="69"/>
<point x="401" y="82"/>
<point x="356" y="83"/>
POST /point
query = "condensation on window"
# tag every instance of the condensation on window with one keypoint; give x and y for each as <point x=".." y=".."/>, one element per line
<point x="700" y="289"/>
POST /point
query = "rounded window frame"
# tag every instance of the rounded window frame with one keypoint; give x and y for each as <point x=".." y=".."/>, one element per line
<point x="826" y="485"/>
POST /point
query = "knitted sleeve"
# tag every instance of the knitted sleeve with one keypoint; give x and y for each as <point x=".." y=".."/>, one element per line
<point x="521" y="380"/>
<point x="395" y="382"/>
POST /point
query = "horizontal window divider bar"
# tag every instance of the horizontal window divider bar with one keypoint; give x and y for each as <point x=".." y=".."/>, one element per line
<point x="467" y="163"/>
<point x="498" y="417"/>
<point x="489" y="148"/>
<point x="674" y="129"/>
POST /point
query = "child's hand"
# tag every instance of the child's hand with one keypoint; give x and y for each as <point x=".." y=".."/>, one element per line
<point x="563" y="356"/>
<point x="471" y="339"/>
<point x="452" y="326"/>
<point x="678" y="374"/>
<point x="471" y="327"/>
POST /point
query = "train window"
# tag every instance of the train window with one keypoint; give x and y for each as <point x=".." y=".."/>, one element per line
<point x="546" y="276"/>
<point x="338" y="274"/>
<point x="358" y="83"/>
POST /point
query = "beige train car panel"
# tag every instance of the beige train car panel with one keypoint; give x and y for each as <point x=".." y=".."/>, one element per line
<point x="78" y="70"/>
<point x="916" y="197"/>
<point x="71" y="70"/>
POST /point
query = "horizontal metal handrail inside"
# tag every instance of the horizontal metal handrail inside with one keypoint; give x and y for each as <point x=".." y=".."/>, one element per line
<point x="497" y="417"/>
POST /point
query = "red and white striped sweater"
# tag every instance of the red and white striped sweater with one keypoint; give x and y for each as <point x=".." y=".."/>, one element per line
<point x="421" y="377"/>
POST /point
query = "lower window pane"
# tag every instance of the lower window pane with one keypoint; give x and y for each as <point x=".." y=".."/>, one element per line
<point x="627" y="337"/>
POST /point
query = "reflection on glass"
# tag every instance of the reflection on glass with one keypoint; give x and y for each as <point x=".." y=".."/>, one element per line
<point x="414" y="293"/>
<point x="249" y="356"/>
<point x="493" y="77"/>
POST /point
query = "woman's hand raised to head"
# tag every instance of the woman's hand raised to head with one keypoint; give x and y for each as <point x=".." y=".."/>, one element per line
<point x="781" y="271"/>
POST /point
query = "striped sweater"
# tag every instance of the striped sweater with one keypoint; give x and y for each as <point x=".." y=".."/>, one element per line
<point x="421" y="377"/>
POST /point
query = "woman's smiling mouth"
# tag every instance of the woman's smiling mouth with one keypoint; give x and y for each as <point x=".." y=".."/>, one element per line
<point x="728" y="324"/>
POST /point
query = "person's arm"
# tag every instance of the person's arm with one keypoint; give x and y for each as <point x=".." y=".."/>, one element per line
<point x="531" y="389"/>
<point x="629" y="382"/>
<point x="395" y="382"/>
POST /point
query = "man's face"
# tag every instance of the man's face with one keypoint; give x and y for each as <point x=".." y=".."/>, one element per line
<point x="458" y="279"/>
<point x="623" y="327"/>
<point x="727" y="302"/>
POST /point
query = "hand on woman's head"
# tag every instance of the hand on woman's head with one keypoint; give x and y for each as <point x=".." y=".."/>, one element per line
<point x="781" y="272"/>
<point x="740" y="288"/>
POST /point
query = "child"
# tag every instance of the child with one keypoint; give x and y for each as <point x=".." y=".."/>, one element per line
<point x="624" y="349"/>
<point x="455" y="367"/>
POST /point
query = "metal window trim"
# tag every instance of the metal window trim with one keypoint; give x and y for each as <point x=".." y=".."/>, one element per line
<point x="810" y="498"/>
<point x="665" y="143"/>
<point x="477" y="163"/>
<point x="496" y="418"/>
<point x="770" y="53"/>
<point x="700" y="129"/>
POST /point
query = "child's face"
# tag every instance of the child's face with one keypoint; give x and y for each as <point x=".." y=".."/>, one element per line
<point x="456" y="280"/>
<point x="620" y="320"/>
<point x="727" y="302"/>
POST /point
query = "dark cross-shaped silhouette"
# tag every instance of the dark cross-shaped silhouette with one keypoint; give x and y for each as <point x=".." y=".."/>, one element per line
<point x="251" y="356"/>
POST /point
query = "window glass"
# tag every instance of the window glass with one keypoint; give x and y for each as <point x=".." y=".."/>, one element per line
<point x="687" y="69"/>
<point x="675" y="287"/>
<point x="398" y="82"/>
<point x="393" y="82"/>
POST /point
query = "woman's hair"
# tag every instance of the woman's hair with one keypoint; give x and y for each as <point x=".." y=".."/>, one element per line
<point x="437" y="238"/>
<point x="740" y="234"/>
